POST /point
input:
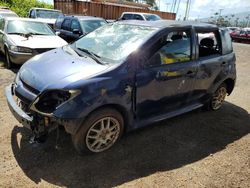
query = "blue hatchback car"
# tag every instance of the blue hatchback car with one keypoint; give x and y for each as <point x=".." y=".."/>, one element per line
<point x="123" y="76"/>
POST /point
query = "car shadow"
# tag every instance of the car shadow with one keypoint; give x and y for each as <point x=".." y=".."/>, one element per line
<point x="164" y="146"/>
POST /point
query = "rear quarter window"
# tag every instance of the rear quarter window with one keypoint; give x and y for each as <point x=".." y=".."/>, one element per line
<point x="66" y="24"/>
<point x="59" y="21"/>
<point x="227" y="46"/>
<point x="127" y="17"/>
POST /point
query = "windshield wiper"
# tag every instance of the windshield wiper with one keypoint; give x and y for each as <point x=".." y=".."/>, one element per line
<point x="25" y="34"/>
<point x="93" y="55"/>
<point x="15" y="33"/>
<point x="33" y="33"/>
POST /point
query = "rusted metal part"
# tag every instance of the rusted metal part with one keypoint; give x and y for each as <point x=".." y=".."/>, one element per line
<point x="103" y="9"/>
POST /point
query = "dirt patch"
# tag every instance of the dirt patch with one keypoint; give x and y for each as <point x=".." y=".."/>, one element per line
<point x="198" y="149"/>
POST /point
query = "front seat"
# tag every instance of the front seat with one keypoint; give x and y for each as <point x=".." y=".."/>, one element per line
<point x="206" y="47"/>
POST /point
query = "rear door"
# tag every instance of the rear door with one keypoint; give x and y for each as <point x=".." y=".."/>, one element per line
<point x="2" y="23"/>
<point x="213" y="64"/>
<point x="167" y="80"/>
<point x="65" y="29"/>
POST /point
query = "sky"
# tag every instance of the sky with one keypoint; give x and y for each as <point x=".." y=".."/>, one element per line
<point x="202" y="8"/>
<point x="206" y="8"/>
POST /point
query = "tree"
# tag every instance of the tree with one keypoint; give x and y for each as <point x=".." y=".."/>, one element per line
<point x="152" y="3"/>
<point x="22" y="7"/>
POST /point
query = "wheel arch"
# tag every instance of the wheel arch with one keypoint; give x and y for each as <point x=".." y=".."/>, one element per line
<point x="119" y="108"/>
<point x="127" y="118"/>
<point x="5" y="47"/>
<point x="230" y="85"/>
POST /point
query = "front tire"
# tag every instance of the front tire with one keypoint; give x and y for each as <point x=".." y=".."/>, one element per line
<point x="101" y="130"/>
<point x="9" y="64"/>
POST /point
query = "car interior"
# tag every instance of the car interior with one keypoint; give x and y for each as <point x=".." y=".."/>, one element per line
<point x="208" y="44"/>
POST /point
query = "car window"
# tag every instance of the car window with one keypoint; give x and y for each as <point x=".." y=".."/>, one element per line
<point x="66" y="24"/>
<point x="137" y="17"/>
<point x="227" y="42"/>
<point x="90" y="25"/>
<point x="25" y="27"/>
<point x="32" y="14"/>
<point x="172" y="48"/>
<point x="151" y="17"/>
<point x="59" y="21"/>
<point x="127" y="17"/>
<point x="209" y="43"/>
<point x="75" y="25"/>
<point x="49" y="14"/>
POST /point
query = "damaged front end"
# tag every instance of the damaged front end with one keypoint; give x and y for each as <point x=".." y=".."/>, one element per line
<point x="34" y="109"/>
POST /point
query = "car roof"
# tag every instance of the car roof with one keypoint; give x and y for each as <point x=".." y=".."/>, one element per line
<point x="84" y="17"/>
<point x="46" y="9"/>
<point x="168" y="23"/>
<point x="138" y="13"/>
<point x="6" y="11"/>
<point x="22" y="19"/>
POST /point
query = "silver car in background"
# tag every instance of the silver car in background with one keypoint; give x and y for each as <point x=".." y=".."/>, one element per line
<point x="48" y="16"/>
<point x="5" y="12"/>
<point x="23" y="38"/>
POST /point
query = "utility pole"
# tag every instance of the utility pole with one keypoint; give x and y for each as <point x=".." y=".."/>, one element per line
<point x="167" y="6"/>
<point x="248" y="17"/>
<point x="178" y="7"/>
<point x="221" y="9"/>
<point x="159" y="5"/>
<point x="186" y="13"/>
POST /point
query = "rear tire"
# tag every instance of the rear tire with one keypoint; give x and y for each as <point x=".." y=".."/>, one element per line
<point x="100" y="131"/>
<point x="217" y="98"/>
<point x="8" y="62"/>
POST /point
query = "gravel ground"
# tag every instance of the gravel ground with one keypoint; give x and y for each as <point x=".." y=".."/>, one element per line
<point x="198" y="149"/>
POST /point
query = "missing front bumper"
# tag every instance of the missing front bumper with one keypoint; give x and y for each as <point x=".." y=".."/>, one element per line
<point x="17" y="112"/>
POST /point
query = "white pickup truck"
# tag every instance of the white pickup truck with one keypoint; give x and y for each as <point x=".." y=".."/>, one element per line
<point x="48" y="16"/>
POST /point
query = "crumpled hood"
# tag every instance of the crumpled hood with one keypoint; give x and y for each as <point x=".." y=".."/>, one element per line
<point x="37" y="41"/>
<point x="59" y="68"/>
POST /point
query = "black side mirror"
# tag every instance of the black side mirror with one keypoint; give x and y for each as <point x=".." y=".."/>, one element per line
<point x="76" y="31"/>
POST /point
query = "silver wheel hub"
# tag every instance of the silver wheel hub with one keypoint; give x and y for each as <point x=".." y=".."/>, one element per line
<point x="219" y="98"/>
<point x="102" y="134"/>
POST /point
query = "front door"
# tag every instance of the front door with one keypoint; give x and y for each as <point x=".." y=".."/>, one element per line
<point x="167" y="81"/>
<point x="1" y="35"/>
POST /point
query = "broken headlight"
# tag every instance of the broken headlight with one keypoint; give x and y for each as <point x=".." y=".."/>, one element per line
<point x="50" y="100"/>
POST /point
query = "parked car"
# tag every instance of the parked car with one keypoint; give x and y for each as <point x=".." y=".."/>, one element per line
<point x="139" y="16"/>
<point x="71" y="28"/>
<point x="48" y="16"/>
<point x="242" y="35"/>
<point x="123" y="76"/>
<point x="4" y="12"/>
<point x="23" y="38"/>
<point x="233" y="29"/>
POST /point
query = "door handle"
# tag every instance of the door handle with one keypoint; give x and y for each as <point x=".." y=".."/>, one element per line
<point x="161" y="75"/>
<point x="224" y="63"/>
<point x="190" y="73"/>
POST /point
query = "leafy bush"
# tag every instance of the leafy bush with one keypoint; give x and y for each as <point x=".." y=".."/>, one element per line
<point x="22" y="7"/>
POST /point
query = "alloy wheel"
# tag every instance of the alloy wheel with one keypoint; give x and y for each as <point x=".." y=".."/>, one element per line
<point x="102" y="134"/>
<point x="219" y="98"/>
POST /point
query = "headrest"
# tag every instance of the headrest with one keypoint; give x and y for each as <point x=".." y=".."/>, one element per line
<point x="176" y="37"/>
<point x="208" y="42"/>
